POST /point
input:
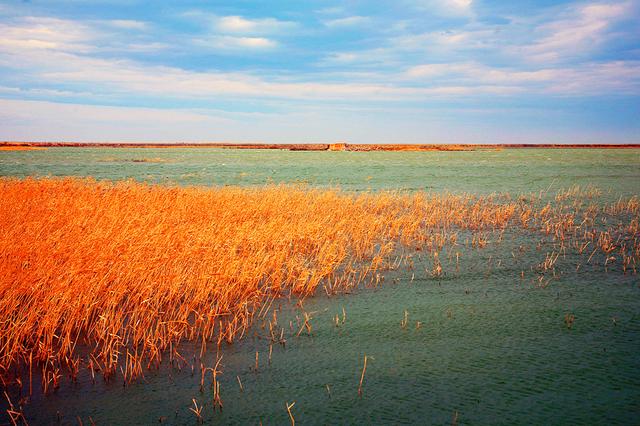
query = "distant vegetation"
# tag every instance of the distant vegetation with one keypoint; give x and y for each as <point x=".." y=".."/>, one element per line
<point x="341" y="146"/>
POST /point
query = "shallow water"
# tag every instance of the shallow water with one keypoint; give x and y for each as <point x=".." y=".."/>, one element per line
<point x="493" y="346"/>
<point x="511" y="170"/>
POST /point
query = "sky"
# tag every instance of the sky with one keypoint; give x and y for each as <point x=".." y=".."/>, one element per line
<point x="400" y="71"/>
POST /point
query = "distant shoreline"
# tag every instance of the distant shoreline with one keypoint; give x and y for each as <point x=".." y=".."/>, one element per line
<point x="9" y="145"/>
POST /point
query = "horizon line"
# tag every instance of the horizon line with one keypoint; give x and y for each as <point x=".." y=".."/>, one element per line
<point x="311" y="146"/>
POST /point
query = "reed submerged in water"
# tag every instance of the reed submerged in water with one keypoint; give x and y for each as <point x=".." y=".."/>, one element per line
<point x="131" y="270"/>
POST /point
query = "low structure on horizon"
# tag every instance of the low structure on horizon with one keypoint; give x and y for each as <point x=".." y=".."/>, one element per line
<point x="338" y="146"/>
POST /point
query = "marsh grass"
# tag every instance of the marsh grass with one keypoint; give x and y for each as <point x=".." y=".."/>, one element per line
<point x="129" y="270"/>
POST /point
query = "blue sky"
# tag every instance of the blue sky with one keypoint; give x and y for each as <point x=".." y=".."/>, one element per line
<point x="403" y="71"/>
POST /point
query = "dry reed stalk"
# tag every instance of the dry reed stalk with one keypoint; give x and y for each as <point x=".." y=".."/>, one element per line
<point x="405" y="319"/>
<point x="305" y="325"/>
<point x="569" y="319"/>
<point x="217" y="401"/>
<point x="289" y="407"/>
<point x="364" y="369"/>
<point x="197" y="411"/>
<point x="15" y="415"/>
<point x="131" y="270"/>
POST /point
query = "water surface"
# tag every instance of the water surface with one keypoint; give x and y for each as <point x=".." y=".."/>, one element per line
<point x="492" y="347"/>
<point x="510" y="170"/>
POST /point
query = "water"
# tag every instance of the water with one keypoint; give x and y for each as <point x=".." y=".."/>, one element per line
<point x="492" y="347"/>
<point x="514" y="171"/>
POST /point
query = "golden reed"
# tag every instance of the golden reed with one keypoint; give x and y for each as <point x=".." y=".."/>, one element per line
<point x="128" y="270"/>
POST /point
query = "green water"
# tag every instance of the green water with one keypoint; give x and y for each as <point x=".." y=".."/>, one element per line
<point x="493" y="346"/>
<point x="515" y="171"/>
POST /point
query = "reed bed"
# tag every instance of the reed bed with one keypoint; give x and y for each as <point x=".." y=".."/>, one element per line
<point x="113" y="276"/>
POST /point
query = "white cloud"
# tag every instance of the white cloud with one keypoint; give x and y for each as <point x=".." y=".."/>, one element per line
<point x="224" y="42"/>
<point x="126" y="77"/>
<point x="127" y="24"/>
<point x="395" y="50"/>
<point x="436" y="70"/>
<point x="89" y="37"/>
<point x="235" y="33"/>
<point x="38" y="120"/>
<point x="458" y="5"/>
<point x="41" y="92"/>
<point x="579" y="30"/>
<point x="445" y="7"/>
<point x="259" y="42"/>
<point x="349" y="21"/>
<point x="52" y="53"/>
<point x="147" y="46"/>
<point x="611" y="78"/>
<point x="47" y="33"/>
<point x="241" y="25"/>
<point x="475" y="72"/>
